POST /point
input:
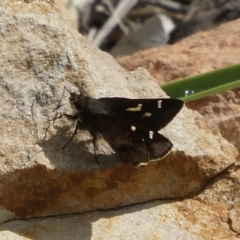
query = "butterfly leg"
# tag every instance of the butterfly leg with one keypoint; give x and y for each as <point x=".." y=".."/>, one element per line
<point x="71" y="117"/>
<point x="74" y="133"/>
<point x="95" y="147"/>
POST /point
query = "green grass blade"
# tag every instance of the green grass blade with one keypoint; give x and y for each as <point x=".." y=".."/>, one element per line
<point x="204" y="85"/>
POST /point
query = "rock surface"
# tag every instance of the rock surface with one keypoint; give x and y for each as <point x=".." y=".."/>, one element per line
<point x="223" y="110"/>
<point x="188" y="219"/>
<point x="41" y="53"/>
<point x="199" y="53"/>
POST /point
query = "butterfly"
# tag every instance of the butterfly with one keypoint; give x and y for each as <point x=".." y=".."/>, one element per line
<point x="129" y="126"/>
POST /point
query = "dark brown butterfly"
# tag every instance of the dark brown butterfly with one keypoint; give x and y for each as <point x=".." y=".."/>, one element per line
<point x="129" y="126"/>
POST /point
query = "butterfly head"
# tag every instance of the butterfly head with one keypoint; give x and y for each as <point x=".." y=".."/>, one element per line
<point x="79" y="101"/>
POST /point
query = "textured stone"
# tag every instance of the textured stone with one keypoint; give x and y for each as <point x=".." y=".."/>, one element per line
<point x="183" y="220"/>
<point x="223" y="110"/>
<point x="41" y="53"/>
<point x="199" y="53"/>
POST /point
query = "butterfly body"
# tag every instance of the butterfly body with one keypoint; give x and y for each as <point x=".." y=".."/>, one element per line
<point x="129" y="126"/>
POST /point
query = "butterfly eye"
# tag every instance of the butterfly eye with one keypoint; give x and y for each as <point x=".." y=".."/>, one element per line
<point x="72" y="97"/>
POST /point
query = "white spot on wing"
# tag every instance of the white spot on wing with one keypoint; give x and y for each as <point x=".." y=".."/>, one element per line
<point x="147" y="114"/>
<point x="136" y="109"/>
<point x="151" y="134"/>
<point x="159" y="103"/>
<point x="133" y="128"/>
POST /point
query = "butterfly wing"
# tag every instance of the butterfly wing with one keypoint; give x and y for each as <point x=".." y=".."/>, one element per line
<point x="122" y="140"/>
<point x="158" y="145"/>
<point x="152" y="113"/>
<point x="137" y="144"/>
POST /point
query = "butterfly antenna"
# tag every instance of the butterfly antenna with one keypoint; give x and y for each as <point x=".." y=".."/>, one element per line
<point x="67" y="89"/>
<point x="59" y="104"/>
